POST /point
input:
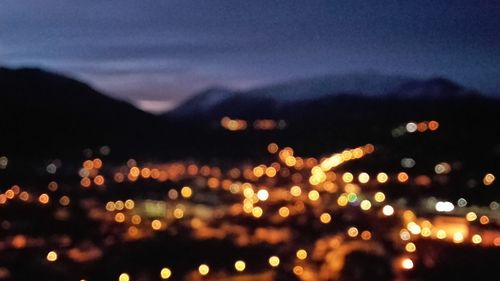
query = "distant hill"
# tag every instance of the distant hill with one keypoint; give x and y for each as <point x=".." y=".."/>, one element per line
<point x="271" y="102"/>
<point x="43" y="111"/>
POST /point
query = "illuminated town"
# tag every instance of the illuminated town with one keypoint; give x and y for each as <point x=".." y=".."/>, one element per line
<point x="293" y="218"/>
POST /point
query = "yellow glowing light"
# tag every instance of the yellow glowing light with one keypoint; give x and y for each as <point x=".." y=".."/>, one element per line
<point x="156" y="224"/>
<point x="388" y="210"/>
<point x="119" y="205"/>
<point x="239" y="265"/>
<point x="203" y="269"/>
<point x="407" y="263"/>
<point x="379" y="197"/>
<point x="365" y="205"/>
<point x="357" y="153"/>
<point x="363" y="178"/>
<point x="382" y="177"/>
<point x="325" y="218"/>
<point x="477" y="239"/>
<point x="124" y="277"/>
<point x="186" y="192"/>
<point x="313" y="195"/>
<point x="346" y="155"/>
<point x="284" y="212"/>
<point x="410" y="247"/>
<point x="263" y="195"/>
<point x="426" y="232"/>
<point x="342" y="200"/>
<point x="290" y="161"/>
<point x="274" y="261"/>
<point x="426" y="223"/>
<point x="165" y="273"/>
<point x="257" y="212"/>
<point x="488" y="179"/>
<point x="271" y="172"/>
<point x="247" y="207"/>
<point x="134" y="172"/>
<point x="248" y="192"/>
<point x="295" y="190"/>
<point x="52" y="256"/>
<point x="471" y="216"/>
<point x="441" y="234"/>
<point x="258" y="171"/>
<point x="352" y="232"/>
<point x="347" y="177"/>
<point x="129" y="204"/>
<point x="301" y="254"/>
<point x="178" y="213"/>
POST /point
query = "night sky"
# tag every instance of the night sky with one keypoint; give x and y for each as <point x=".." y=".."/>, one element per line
<point x="157" y="53"/>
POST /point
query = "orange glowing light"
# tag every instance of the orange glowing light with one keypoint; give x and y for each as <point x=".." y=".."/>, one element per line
<point x="433" y="125"/>
<point x="298" y="270"/>
<point x="99" y="180"/>
<point x="272" y="148"/>
<point x="85" y="182"/>
<point x="43" y="198"/>
<point x="403" y="177"/>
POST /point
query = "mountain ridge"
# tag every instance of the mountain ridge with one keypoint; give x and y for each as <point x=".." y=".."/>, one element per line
<point x="305" y="90"/>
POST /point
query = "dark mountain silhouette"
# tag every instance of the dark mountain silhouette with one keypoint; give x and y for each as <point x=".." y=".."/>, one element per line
<point x="45" y="114"/>
<point x="276" y="101"/>
<point x="290" y="92"/>
<point x="43" y="111"/>
<point x="435" y="88"/>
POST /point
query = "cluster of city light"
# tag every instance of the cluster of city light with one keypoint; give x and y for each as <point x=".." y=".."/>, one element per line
<point x="274" y="193"/>
<point x="259" y="124"/>
<point x="233" y="124"/>
<point x="89" y="173"/>
<point x="413" y="127"/>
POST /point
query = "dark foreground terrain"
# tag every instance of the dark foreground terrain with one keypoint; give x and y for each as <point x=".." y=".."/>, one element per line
<point x="248" y="186"/>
